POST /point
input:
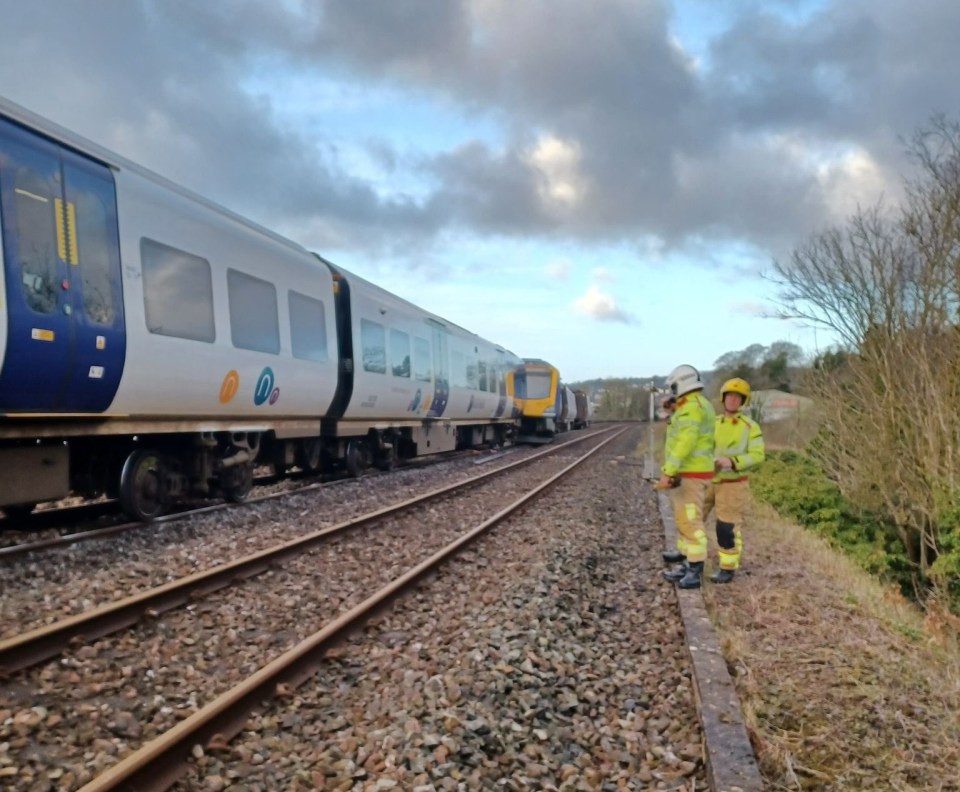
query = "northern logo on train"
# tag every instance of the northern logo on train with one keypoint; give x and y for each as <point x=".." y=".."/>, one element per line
<point x="416" y="402"/>
<point x="265" y="390"/>
<point x="229" y="386"/>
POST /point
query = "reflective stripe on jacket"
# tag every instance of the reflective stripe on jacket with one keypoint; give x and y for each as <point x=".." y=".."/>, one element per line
<point x="741" y="439"/>
<point x="690" y="438"/>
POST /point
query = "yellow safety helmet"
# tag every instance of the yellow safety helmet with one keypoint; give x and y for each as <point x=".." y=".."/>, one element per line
<point x="736" y="385"/>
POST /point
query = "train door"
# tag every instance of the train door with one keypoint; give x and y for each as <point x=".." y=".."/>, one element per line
<point x="501" y="388"/>
<point x="64" y="311"/>
<point x="441" y="369"/>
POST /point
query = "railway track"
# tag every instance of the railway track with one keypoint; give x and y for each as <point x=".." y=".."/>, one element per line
<point x="111" y="678"/>
<point x="21" y="651"/>
<point x="157" y="765"/>
<point x="70" y="525"/>
<point x="493" y="665"/>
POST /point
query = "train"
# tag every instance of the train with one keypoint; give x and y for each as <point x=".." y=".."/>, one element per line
<point x="545" y="405"/>
<point x="155" y="345"/>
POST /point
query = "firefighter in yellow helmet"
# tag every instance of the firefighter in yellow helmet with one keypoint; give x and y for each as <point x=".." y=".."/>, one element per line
<point x="688" y="469"/>
<point x="739" y="449"/>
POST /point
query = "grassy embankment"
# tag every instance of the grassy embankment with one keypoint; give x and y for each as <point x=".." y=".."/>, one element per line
<point x="845" y="683"/>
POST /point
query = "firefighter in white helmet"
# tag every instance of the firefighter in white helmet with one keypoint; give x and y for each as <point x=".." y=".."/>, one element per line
<point x="739" y="449"/>
<point x="688" y="469"/>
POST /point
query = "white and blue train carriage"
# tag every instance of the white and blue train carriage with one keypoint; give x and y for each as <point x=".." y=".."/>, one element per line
<point x="154" y="344"/>
<point x="413" y="382"/>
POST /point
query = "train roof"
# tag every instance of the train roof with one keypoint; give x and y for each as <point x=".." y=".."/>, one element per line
<point x="388" y="295"/>
<point x="81" y="145"/>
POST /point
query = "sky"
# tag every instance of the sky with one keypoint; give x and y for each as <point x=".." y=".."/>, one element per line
<point x="604" y="184"/>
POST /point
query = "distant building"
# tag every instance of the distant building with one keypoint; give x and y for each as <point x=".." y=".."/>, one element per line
<point x="777" y="405"/>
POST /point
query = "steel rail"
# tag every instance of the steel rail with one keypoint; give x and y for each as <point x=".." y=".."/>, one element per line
<point x="66" y="539"/>
<point x="42" y="643"/>
<point x="159" y="764"/>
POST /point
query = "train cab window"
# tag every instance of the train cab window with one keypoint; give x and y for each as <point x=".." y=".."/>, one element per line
<point x="308" y="327"/>
<point x="422" y="363"/>
<point x="253" y="313"/>
<point x="482" y="375"/>
<point x="94" y="258"/>
<point x="373" y="339"/>
<point x="37" y="240"/>
<point x="538" y="384"/>
<point x="177" y="292"/>
<point x="400" y="354"/>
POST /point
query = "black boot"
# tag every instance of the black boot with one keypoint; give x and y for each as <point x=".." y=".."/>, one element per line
<point x="676" y="573"/>
<point x="722" y="576"/>
<point x="691" y="580"/>
<point x="673" y="557"/>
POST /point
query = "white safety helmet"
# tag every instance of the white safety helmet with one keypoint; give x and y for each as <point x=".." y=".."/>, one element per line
<point x="684" y="379"/>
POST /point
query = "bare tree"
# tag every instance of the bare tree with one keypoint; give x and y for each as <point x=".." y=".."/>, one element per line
<point x="888" y="285"/>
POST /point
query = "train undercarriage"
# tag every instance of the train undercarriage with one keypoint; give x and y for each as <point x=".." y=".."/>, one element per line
<point x="149" y="472"/>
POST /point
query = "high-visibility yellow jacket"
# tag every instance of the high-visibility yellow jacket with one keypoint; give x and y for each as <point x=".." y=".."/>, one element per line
<point x="690" y="438"/>
<point x="741" y="439"/>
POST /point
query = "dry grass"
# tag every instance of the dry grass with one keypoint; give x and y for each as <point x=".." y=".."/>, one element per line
<point x="844" y="685"/>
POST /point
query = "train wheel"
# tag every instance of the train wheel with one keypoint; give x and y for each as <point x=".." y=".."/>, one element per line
<point x="355" y="458"/>
<point x="142" y="489"/>
<point x="237" y="482"/>
<point x="309" y="454"/>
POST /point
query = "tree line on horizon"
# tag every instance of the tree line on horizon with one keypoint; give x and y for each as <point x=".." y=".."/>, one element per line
<point x="779" y="366"/>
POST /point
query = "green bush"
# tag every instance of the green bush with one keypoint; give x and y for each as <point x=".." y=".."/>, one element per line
<point x="945" y="571"/>
<point x="796" y="487"/>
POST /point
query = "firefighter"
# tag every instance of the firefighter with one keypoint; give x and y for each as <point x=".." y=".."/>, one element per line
<point x="688" y="469"/>
<point x="739" y="449"/>
<point x="668" y="405"/>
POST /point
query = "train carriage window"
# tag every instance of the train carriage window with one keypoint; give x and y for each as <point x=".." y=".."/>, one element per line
<point x="373" y="339"/>
<point x="471" y="372"/>
<point x="399" y="354"/>
<point x="253" y="313"/>
<point x="308" y="327"/>
<point x="422" y="362"/>
<point x="458" y="370"/>
<point x="94" y="257"/>
<point x="177" y="292"/>
<point x="482" y="371"/>
<point x="37" y="240"/>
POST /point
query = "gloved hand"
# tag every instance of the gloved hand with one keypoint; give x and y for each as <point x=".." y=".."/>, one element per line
<point x="667" y="482"/>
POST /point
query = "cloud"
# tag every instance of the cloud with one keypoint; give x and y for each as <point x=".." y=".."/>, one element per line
<point x="601" y="306"/>
<point x="607" y="130"/>
<point x="752" y="309"/>
<point x="561" y="187"/>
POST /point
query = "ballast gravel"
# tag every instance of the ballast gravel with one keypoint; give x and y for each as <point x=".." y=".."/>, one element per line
<point x="549" y="656"/>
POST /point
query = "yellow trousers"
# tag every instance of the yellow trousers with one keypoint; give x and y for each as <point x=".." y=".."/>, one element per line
<point x="730" y="500"/>
<point x="688" y="513"/>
